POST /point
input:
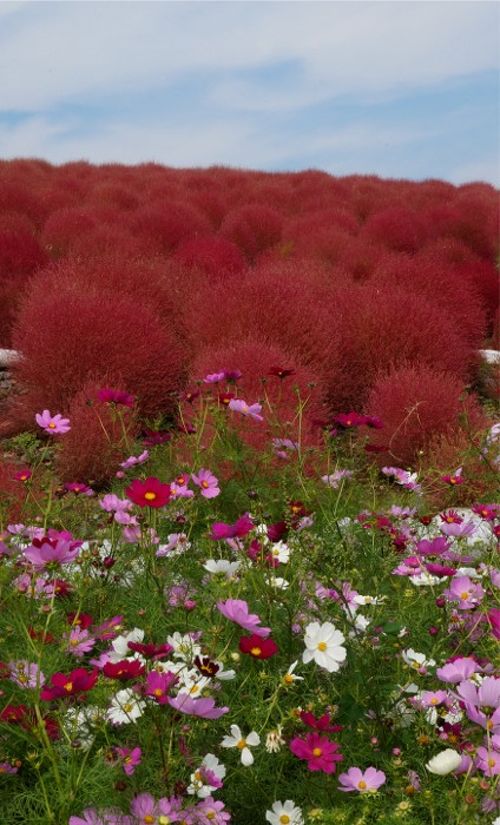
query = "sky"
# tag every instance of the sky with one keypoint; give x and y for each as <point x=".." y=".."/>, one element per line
<point x="397" y="89"/>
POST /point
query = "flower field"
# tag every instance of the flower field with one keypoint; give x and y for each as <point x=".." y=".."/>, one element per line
<point x="248" y="470"/>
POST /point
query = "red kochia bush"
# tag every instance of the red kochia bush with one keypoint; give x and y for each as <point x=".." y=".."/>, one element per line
<point x="279" y="397"/>
<point x="92" y="450"/>
<point x="65" y="226"/>
<point x="378" y="328"/>
<point x="417" y="403"/>
<point x="166" y="224"/>
<point x="217" y="257"/>
<point x="396" y="228"/>
<point x="20" y="253"/>
<point x="448" y="287"/>
<point x="253" y="228"/>
<point x="68" y="336"/>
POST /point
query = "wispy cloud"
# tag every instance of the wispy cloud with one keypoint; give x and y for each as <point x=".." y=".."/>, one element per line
<point x="246" y="83"/>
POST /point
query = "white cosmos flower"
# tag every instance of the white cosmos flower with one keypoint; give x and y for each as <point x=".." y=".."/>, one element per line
<point x="289" y="678"/>
<point x="126" y="707"/>
<point x="324" y="645"/>
<point x="120" y="646"/>
<point x="198" y="785"/>
<point x="281" y="552"/>
<point x="285" y="813"/>
<point x="184" y="646"/>
<point x="417" y="660"/>
<point x="444" y="763"/>
<point x="243" y="743"/>
<point x="223" y="567"/>
<point x="277" y="582"/>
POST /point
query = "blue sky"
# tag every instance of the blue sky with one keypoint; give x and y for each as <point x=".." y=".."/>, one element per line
<point x="398" y="89"/>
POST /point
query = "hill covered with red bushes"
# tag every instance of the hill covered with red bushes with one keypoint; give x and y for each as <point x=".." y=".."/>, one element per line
<point x="377" y="293"/>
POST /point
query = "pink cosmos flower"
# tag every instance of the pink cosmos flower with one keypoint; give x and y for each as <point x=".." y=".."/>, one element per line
<point x="205" y="707"/>
<point x="493" y="617"/>
<point x="488" y="761"/>
<point x="51" y="551"/>
<point x="454" y="479"/>
<point x="432" y="698"/>
<point x="250" y="411"/>
<point x="406" y="479"/>
<point x="135" y="460"/>
<point x="180" y="490"/>
<point x="92" y="817"/>
<point x="211" y="812"/>
<point x="6" y="767"/>
<point x="236" y="610"/>
<point x="52" y="424"/>
<point x="158" y="685"/>
<point x="26" y="674"/>
<point x="458" y="670"/>
<point x="464" y="592"/>
<point x="23" y="475"/>
<point x="363" y="782"/>
<point x="318" y="751"/>
<point x="79" y="641"/>
<point x="207" y="482"/>
<point x="432" y="547"/>
<point x="78" y="488"/>
<point x="221" y="531"/>
<point x="113" y="504"/>
<point x="333" y="480"/>
<point x="145" y="808"/>
<point x="129" y="758"/>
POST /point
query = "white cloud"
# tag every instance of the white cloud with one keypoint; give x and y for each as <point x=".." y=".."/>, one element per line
<point x="52" y="53"/>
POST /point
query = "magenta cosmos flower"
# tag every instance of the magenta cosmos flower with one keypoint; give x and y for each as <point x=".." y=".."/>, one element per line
<point x="205" y="707"/>
<point x="52" y="424"/>
<point x="362" y="781"/>
<point x="318" y="751"/>
<point x="221" y="531"/>
<point x="236" y="610"/>
<point x="110" y="396"/>
<point x="148" y="493"/>
<point x="51" y="551"/>
<point x="207" y="482"/>
<point x="249" y="410"/>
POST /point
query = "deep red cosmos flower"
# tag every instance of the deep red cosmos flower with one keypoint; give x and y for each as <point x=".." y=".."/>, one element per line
<point x="148" y="493"/>
<point x="321" y="723"/>
<point x="351" y="419"/>
<point x="110" y="396"/>
<point x="318" y="751"/>
<point x="281" y="372"/>
<point x="258" y="647"/>
<point x="151" y="651"/>
<point x="124" y="670"/>
<point x="153" y="437"/>
<point x="70" y="684"/>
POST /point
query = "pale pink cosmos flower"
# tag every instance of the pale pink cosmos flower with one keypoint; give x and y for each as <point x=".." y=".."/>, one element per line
<point x="26" y="674"/>
<point x="52" y="424"/>
<point x="236" y="610"/>
<point x="488" y="761"/>
<point x="248" y="410"/>
<point x="458" y="670"/>
<point x="464" y="592"/>
<point x="214" y="377"/>
<point x="333" y="480"/>
<point x="180" y="490"/>
<point x="205" y="707"/>
<point x="207" y="482"/>
<point x="51" y="551"/>
<point x="362" y="781"/>
<point x="404" y="477"/>
<point x="134" y="460"/>
<point x="79" y="641"/>
<point x="129" y="759"/>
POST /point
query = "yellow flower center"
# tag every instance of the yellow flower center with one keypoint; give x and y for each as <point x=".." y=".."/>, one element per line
<point x="158" y="692"/>
<point x="317" y="751"/>
<point x="491" y="763"/>
<point x="241" y="744"/>
<point x="204" y="484"/>
<point x="128" y="708"/>
<point x="321" y="646"/>
<point x="164" y="820"/>
<point x="464" y="596"/>
<point x="210" y="814"/>
<point x="284" y="819"/>
<point x="150" y="496"/>
<point x="52" y="426"/>
<point x="255" y="651"/>
<point x="362" y="785"/>
<point x="68" y="687"/>
<point x="288" y="678"/>
<point x="149" y="819"/>
<point x="434" y="701"/>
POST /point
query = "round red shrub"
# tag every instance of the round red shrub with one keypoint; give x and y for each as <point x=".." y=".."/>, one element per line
<point x="101" y="436"/>
<point x="377" y="328"/>
<point x="166" y="224"/>
<point x="20" y="253"/>
<point x="68" y="336"/>
<point x="216" y="257"/>
<point x="65" y="226"/>
<point x="416" y="403"/>
<point x="253" y="228"/>
<point x="396" y="228"/>
<point x="448" y="287"/>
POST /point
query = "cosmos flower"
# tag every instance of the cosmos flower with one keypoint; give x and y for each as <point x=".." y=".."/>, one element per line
<point x="324" y="646"/>
<point x="106" y="395"/>
<point x="53" y="424"/>
<point x="249" y="411"/>
<point x="362" y="781"/>
<point x="285" y="813"/>
<point x="257" y="647"/>
<point x="236" y="610"/>
<point x="148" y="493"/>
<point x="318" y="751"/>
<point x="207" y="482"/>
<point x="204" y="708"/>
<point x="243" y="743"/>
<point x="444" y="762"/>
